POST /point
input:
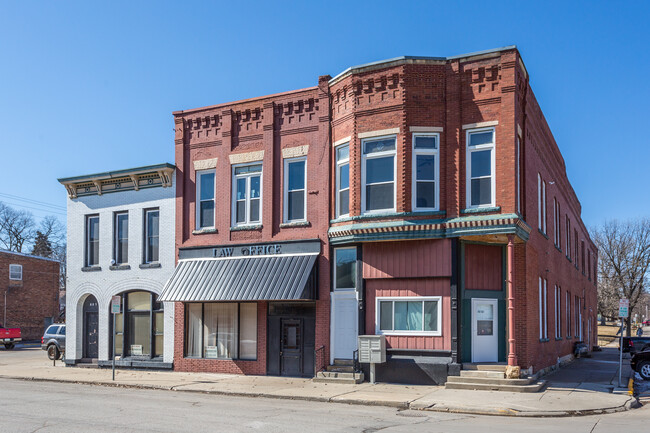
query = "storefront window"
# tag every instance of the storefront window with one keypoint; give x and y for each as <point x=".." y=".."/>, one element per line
<point x="139" y="331"/>
<point x="221" y="330"/>
<point x="409" y="315"/>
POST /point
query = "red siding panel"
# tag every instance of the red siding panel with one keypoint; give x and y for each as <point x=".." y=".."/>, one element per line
<point x="483" y="267"/>
<point x="430" y="258"/>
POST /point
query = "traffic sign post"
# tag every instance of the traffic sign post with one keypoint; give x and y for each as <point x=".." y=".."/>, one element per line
<point x="623" y="313"/>
<point x="116" y="302"/>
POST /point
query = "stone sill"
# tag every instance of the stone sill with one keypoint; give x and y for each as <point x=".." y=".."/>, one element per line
<point x="544" y="340"/>
<point x="543" y="234"/>
<point x="150" y="265"/>
<point x="246" y="228"/>
<point x="91" y="269"/>
<point x="205" y="231"/>
<point x="295" y="224"/>
<point x="119" y="267"/>
<point x="481" y="210"/>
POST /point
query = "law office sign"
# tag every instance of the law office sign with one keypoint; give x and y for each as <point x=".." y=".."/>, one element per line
<point x="623" y="308"/>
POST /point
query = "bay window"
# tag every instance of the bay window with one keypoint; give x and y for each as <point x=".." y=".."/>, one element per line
<point x="480" y="168"/>
<point x="425" y="172"/>
<point x="205" y="199"/>
<point x="343" y="180"/>
<point x="413" y="315"/>
<point x="247" y="194"/>
<point x="378" y="175"/>
<point x="295" y="189"/>
<point x="221" y="330"/>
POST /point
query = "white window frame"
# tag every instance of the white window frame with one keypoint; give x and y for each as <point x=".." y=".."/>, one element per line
<point x="233" y="205"/>
<point x="558" y="312"/>
<point x="286" y="191"/>
<point x="567" y="308"/>
<point x="336" y="250"/>
<point x="339" y="164"/>
<point x="116" y="239"/>
<point x="200" y="173"/>
<point x="543" y="309"/>
<point x="364" y="158"/>
<point x="468" y="166"/>
<point x="567" y="223"/>
<point x="436" y="176"/>
<point x="423" y="299"/>
<point x="87" y="240"/>
<point x="147" y="259"/>
<point x="13" y="268"/>
<point x="544" y="206"/>
<point x="555" y="232"/>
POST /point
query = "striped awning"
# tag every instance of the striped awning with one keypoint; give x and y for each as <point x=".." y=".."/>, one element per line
<point x="256" y="278"/>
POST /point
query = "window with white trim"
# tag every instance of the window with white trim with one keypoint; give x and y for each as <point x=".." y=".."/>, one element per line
<point x="121" y="238"/>
<point x="295" y="189"/>
<point x="345" y="268"/>
<point x="205" y="203"/>
<point x="92" y="240"/>
<point x="543" y="310"/>
<point x="558" y="312"/>
<point x="557" y="230"/>
<point x="576" y="327"/>
<point x="541" y="203"/>
<point x="378" y="174"/>
<point x="568" y="314"/>
<point x="568" y="237"/>
<point x="343" y="180"/>
<point x="16" y="272"/>
<point x="425" y="188"/>
<point x="411" y="315"/>
<point x="247" y="194"/>
<point x="480" y="168"/>
<point x="151" y="235"/>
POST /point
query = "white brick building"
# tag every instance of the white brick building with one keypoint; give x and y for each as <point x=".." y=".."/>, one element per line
<point x="121" y="231"/>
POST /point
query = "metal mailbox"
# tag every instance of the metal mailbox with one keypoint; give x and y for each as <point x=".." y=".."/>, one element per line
<point x="372" y="349"/>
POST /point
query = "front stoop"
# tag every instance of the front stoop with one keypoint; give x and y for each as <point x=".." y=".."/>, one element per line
<point x="491" y="377"/>
<point x="342" y="371"/>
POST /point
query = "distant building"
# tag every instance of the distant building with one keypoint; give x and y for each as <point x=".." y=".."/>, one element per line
<point x="120" y="243"/>
<point x="422" y="198"/>
<point x="30" y="285"/>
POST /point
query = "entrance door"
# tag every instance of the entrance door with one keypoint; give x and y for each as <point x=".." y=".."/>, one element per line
<point x="91" y="328"/>
<point x="344" y="324"/>
<point x="485" y="325"/>
<point x="291" y="347"/>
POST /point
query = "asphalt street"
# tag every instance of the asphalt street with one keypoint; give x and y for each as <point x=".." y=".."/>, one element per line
<point x="29" y="406"/>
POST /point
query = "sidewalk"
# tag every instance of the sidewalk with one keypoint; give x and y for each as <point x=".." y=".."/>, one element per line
<point x="589" y="391"/>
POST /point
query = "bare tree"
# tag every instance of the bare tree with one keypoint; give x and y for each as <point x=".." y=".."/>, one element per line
<point x="17" y="228"/>
<point x="623" y="265"/>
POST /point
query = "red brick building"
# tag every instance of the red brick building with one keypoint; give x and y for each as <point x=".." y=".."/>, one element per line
<point x="30" y="286"/>
<point x="442" y="208"/>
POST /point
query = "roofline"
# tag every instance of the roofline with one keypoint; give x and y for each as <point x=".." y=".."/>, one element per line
<point x="413" y="59"/>
<point x="117" y="173"/>
<point x="30" y="256"/>
<point x="243" y="101"/>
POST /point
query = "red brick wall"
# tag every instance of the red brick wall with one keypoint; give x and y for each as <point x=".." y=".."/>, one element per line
<point x="34" y="298"/>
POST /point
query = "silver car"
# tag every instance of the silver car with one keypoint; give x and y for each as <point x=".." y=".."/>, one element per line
<point x="53" y="341"/>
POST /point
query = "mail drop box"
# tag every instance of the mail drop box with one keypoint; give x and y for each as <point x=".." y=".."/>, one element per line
<point x="372" y="349"/>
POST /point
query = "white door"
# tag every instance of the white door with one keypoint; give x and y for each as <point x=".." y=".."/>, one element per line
<point x="344" y="324"/>
<point x="485" y="326"/>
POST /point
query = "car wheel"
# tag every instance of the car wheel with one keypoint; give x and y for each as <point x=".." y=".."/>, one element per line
<point x="53" y="352"/>
<point x="9" y="346"/>
<point x="644" y="369"/>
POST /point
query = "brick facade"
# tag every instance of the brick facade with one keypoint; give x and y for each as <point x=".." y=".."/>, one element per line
<point x="34" y="301"/>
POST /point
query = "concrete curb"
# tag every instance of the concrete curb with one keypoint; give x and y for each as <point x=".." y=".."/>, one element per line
<point x="631" y="403"/>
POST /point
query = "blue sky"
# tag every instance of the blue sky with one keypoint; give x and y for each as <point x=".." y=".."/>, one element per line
<point x="90" y="86"/>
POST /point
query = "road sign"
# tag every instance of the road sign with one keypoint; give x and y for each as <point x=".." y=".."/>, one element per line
<point x="623" y="308"/>
<point x="115" y="304"/>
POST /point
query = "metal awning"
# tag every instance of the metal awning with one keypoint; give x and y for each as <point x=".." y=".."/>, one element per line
<point x="256" y="278"/>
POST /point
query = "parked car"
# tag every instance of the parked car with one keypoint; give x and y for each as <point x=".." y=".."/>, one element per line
<point x="53" y="341"/>
<point x="636" y="344"/>
<point x="9" y="337"/>
<point x="646" y="322"/>
<point x="641" y="363"/>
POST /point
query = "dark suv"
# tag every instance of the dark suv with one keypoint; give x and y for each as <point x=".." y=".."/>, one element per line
<point x="54" y="341"/>
<point x="641" y="364"/>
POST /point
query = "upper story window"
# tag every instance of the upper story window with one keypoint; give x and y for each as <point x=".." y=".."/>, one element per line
<point x="378" y="175"/>
<point x="92" y="240"/>
<point x="343" y="180"/>
<point x="205" y="198"/>
<point x="575" y="238"/>
<point x="425" y="172"/>
<point x="295" y="189"/>
<point x="247" y="194"/>
<point x="543" y="310"/>
<point x="541" y="203"/>
<point x="480" y="168"/>
<point x="121" y="253"/>
<point x="557" y="232"/>
<point x="151" y="233"/>
<point x="345" y="268"/>
<point x="568" y="237"/>
<point x="16" y="272"/>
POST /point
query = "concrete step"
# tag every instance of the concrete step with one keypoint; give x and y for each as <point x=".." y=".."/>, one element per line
<point x="340" y="368"/>
<point x="493" y="366"/>
<point x="483" y="373"/>
<point x="533" y="387"/>
<point x="340" y="362"/>
<point x="335" y="377"/>
<point x="489" y="380"/>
